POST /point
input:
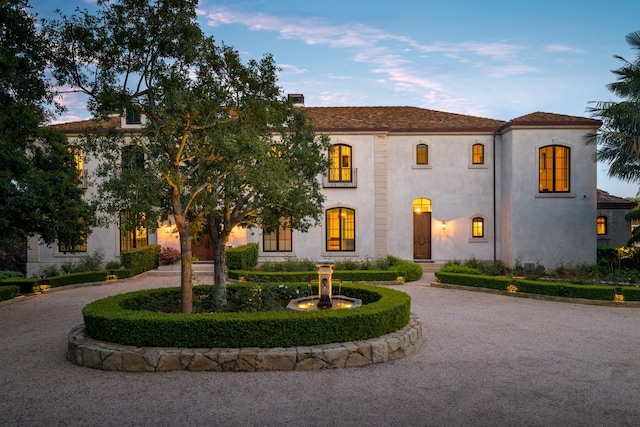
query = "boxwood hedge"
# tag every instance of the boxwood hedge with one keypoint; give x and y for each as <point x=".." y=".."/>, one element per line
<point x="8" y="292"/>
<point x="570" y="290"/>
<point x="28" y="286"/>
<point x="107" y="320"/>
<point x="307" y="276"/>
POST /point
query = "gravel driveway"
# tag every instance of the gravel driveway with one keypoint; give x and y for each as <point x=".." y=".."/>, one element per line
<point x="488" y="360"/>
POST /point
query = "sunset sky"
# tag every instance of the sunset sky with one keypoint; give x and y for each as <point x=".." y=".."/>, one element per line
<point x="495" y="59"/>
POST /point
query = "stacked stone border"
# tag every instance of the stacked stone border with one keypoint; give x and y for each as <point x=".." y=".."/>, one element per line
<point x="88" y="352"/>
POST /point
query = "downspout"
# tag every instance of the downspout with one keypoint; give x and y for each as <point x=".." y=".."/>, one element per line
<point x="495" y="230"/>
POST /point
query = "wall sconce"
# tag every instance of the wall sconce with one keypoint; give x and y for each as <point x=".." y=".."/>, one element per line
<point x="443" y="226"/>
<point x="167" y="224"/>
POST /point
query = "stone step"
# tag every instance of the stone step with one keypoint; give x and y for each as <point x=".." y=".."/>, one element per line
<point x="431" y="267"/>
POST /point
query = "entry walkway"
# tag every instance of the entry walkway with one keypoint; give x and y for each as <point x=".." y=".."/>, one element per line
<point x="488" y="360"/>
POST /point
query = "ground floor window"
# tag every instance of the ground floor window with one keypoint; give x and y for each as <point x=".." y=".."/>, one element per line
<point x="341" y="229"/>
<point x="130" y="237"/>
<point x="601" y="225"/>
<point x="279" y="240"/>
<point x="477" y="226"/>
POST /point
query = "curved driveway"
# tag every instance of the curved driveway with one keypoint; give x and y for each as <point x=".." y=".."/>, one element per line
<point x="488" y="360"/>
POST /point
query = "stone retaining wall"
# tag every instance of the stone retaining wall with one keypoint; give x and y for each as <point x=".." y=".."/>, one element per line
<point x="85" y="351"/>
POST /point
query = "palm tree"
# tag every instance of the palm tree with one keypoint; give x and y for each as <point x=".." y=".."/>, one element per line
<point x="619" y="136"/>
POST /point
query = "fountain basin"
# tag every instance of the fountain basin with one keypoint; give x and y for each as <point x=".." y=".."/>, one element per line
<point x="311" y="303"/>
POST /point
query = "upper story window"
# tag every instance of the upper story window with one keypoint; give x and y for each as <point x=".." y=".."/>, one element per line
<point x="477" y="227"/>
<point x="341" y="229"/>
<point x="554" y="162"/>
<point x="340" y="169"/>
<point x="477" y="154"/>
<point x="278" y="240"/>
<point x="78" y="159"/>
<point x="601" y="225"/>
<point x="133" y="117"/>
<point x="422" y="154"/>
<point x="132" y="158"/>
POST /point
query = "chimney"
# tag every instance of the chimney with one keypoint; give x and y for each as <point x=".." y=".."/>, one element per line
<point x="297" y="99"/>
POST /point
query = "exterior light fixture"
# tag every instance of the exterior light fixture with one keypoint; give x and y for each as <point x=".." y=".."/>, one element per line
<point x="443" y="225"/>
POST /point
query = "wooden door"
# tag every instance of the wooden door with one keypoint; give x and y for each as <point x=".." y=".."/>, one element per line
<point x="422" y="235"/>
<point x="202" y="248"/>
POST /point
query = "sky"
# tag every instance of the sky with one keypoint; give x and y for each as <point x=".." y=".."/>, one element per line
<point x="495" y="59"/>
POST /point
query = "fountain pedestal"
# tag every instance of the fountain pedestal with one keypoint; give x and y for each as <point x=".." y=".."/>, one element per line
<point x="325" y="298"/>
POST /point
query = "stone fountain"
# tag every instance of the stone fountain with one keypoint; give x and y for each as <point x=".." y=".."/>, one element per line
<point x="325" y="298"/>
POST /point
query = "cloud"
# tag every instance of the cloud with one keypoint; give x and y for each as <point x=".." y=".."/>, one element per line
<point x="292" y="69"/>
<point x="562" y="48"/>
<point x="401" y="61"/>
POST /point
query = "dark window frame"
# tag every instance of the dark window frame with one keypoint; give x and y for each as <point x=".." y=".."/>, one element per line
<point x="343" y="242"/>
<point x="283" y="227"/>
<point x="550" y="184"/>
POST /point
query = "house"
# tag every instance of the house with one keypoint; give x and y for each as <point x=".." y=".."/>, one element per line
<point x="423" y="185"/>
<point x="612" y="228"/>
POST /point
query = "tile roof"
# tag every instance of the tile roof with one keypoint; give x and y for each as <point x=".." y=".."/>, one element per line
<point x="540" y="118"/>
<point x="396" y="119"/>
<point x="393" y="120"/>
<point x="608" y="201"/>
<point x="76" y="128"/>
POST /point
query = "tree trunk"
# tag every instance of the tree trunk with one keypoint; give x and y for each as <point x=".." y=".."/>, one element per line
<point x="186" y="284"/>
<point x="219" y="274"/>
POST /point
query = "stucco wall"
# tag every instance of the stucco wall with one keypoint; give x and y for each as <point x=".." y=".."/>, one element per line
<point x="553" y="228"/>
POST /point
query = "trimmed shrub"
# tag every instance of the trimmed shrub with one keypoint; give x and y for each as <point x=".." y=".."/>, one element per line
<point x="559" y="289"/>
<point x="141" y="259"/>
<point x="407" y="269"/>
<point x="243" y="257"/>
<point x="26" y="286"/>
<point x="8" y="292"/>
<point x="631" y="293"/>
<point x="108" y="320"/>
<point x="307" y="276"/>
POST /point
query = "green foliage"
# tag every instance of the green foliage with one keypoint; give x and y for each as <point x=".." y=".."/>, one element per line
<point x="109" y="320"/>
<point x="560" y="289"/>
<point x="8" y="292"/>
<point x="307" y="276"/>
<point x="630" y="293"/>
<point x="10" y="274"/>
<point x="113" y="265"/>
<point x="617" y="138"/>
<point x="290" y="265"/>
<point x="48" y="271"/>
<point x="13" y="255"/>
<point x="392" y="265"/>
<point x="91" y="262"/>
<point x="243" y="257"/>
<point x="452" y="267"/>
<point x="141" y="259"/>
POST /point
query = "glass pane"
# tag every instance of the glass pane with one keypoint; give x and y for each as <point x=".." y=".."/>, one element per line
<point x="478" y="154"/>
<point x="422" y="154"/>
<point x="478" y="227"/>
<point x="422" y="205"/>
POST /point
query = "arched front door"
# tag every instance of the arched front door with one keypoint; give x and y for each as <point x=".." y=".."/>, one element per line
<point x="422" y="228"/>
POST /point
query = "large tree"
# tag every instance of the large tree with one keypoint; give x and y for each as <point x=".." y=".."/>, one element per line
<point x="39" y="191"/>
<point x="204" y="107"/>
<point x="618" y="138"/>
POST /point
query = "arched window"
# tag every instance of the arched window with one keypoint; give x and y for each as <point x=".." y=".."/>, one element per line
<point x="554" y="162"/>
<point x="422" y="154"/>
<point x="340" y="169"/>
<point x="477" y="227"/>
<point x="421" y="205"/>
<point x="601" y="225"/>
<point x="341" y="229"/>
<point x="477" y="154"/>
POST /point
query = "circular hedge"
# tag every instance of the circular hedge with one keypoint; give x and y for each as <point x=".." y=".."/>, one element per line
<point x="385" y="311"/>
